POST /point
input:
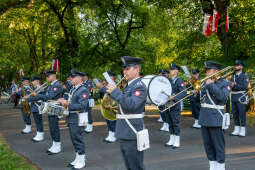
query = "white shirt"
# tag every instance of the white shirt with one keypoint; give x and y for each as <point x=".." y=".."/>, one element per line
<point x="129" y="82"/>
<point x="78" y="85"/>
<point x="238" y="73"/>
<point x="53" y="82"/>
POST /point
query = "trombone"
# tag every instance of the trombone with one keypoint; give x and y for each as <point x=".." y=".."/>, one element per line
<point x="197" y="84"/>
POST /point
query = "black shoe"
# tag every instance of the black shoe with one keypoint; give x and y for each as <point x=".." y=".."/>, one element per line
<point x="69" y="165"/>
<point x="232" y="134"/>
<point x="105" y="141"/>
<point x="166" y="145"/>
<point x="174" y="147"/>
<point x="36" y="141"/>
<point x="109" y="141"/>
<point x="51" y="153"/>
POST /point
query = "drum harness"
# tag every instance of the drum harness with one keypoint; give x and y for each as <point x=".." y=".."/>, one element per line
<point x="240" y="92"/>
<point x="225" y="116"/>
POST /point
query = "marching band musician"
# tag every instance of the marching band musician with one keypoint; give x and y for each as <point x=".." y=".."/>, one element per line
<point x="68" y="86"/>
<point x="174" y="113"/>
<point x="195" y="102"/>
<point x="89" y="85"/>
<point x="111" y="124"/>
<point x="77" y="104"/>
<point x="240" y="86"/>
<point x="215" y="96"/>
<point x="132" y="102"/>
<point x="53" y="92"/>
<point x="35" y="110"/>
<point x="26" y="117"/>
<point x="165" y="127"/>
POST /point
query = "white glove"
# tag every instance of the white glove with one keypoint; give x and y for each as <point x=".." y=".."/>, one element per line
<point x="60" y="116"/>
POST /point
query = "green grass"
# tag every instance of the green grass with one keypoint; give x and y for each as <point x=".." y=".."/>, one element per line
<point x="9" y="160"/>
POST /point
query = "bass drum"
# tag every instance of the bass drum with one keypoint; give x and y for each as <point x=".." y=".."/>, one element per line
<point x="159" y="88"/>
<point x="146" y="80"/>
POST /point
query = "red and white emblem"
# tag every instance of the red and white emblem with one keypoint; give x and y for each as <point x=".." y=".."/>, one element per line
<point x="55" y="88"/>
<point x="229" y="88"/>
<point x="137" y="93"/>
<point x="84" y="96"/>
<point x="247" y="80"/>
<point x="89" y="85"/>
<point x="182" y="84"/>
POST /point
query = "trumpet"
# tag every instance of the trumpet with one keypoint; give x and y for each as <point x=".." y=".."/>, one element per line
<point x="39" y="90"/>
<point x="109" y="107"/>
<point x="196" y="84"/>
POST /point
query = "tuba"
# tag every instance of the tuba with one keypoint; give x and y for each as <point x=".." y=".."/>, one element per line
<point x="109" y="107"/>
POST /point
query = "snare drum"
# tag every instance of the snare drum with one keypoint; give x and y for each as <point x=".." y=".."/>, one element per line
<point x="52" y="109"/>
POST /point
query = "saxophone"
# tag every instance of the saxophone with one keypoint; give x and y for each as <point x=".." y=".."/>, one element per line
<point x="24" y="103"/>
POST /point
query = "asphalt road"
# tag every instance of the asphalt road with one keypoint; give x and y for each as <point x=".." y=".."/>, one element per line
<point x="103" y="156"/>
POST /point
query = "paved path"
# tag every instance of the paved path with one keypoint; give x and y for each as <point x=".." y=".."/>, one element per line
<point x="103" y="156"/>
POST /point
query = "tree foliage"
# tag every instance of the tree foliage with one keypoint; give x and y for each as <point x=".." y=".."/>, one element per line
<point x="92" y="35"/>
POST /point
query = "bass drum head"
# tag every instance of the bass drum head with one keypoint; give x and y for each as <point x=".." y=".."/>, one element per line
<point x="159" y="89"/>
<point x="146" y="80"/>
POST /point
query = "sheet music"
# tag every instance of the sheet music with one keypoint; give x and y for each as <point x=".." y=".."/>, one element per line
<point x="108" y="78"/>
<point x="186" y="71"/>
<point x="96" y="81"/>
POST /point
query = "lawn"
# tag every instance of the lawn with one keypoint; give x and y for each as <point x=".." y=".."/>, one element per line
<point x="10" y="160"/>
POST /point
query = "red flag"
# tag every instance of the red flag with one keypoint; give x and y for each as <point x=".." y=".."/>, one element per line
<point x="55" y="65"/>
<point x="227" y="20"/>
<point x="21" y="73"/>
<point x="207" y="27"/>
<point x="216" y="18"/>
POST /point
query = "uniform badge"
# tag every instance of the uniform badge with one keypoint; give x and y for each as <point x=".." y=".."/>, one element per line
<point x="247" y="80"/>
<point x="55" y="89"/>
<point x="89" y="85"/>
<point x="182" y="84"/>
<point x="137" y="93"/>
<point x="84" y="96"/>
<point x="229" y="88"/>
